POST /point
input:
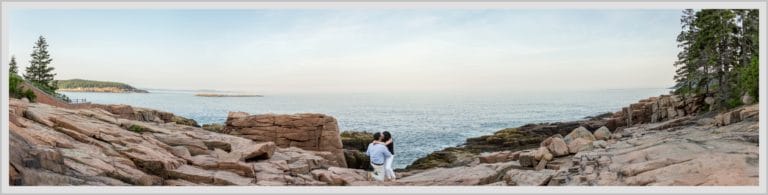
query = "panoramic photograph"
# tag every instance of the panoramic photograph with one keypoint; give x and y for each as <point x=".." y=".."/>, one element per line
<point x="383" y="97"/>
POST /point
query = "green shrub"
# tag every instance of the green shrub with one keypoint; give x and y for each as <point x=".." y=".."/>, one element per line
<point x="16" y="91"/>
<point x="749" y="77"/>
<point x="29" y="94"/>
<point x="733" y="102"/>
<point x="136" y="128"/>
<point x="51" y="91"/>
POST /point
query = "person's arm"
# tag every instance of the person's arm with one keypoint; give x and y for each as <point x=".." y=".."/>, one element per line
<point x="387" y="154"/>
<point x="389" y="142"/>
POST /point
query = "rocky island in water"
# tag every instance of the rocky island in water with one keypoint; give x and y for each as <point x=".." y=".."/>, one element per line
<point x="666" y="140"/>
<point x="225" y="95"/>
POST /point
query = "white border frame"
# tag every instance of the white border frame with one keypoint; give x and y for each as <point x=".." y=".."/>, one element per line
<point x="4" y="163"/>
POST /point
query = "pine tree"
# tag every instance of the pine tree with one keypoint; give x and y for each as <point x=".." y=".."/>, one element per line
<point x="718" y="53"/>
<point x="687" y="74"/>
<point x="13" y="68"/>
<point x="39" y="71"/>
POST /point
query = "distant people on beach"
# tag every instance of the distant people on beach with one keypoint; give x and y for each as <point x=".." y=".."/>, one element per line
<point x="378" y="153"/>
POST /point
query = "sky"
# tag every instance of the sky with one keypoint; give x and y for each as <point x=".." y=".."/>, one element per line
<point x="369" y="50"/>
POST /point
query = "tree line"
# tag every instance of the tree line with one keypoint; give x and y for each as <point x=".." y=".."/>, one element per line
<point x="39" y="72"/>
<point x="719" y="55"/>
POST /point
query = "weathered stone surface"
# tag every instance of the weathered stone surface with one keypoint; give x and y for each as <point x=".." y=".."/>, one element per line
<point x="527" y="159"/>
<point x="95" y="147"/>
<point x="262" y="150"/>
<point x="517" y="177"/>
<point x="542" y="164"/>
<point x="495" y="157"/>
<point x="145" y="114"/>
<point x="475" y="175"/>
<point x="600" y="144"/>
<point x="229" y="178"/>
<point x="192" y="174"/>
<point x="750" y="111"/>
<point x="315" y="132"/>
<point x="340" y="176"/>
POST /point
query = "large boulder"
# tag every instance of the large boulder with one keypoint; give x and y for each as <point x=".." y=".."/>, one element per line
<point x="602" y="133"/>
<point x="542" y="154"/>
<point x="557" y="146"/>
<point x="580" y="132"/>
<point x="316" y="132"/>
<point x="747" y="99"/>
<point x="578" y="145"/>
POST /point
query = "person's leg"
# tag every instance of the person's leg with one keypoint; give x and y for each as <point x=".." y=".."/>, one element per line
<point x="378" y="172"/>
<point x="389" y="172"/>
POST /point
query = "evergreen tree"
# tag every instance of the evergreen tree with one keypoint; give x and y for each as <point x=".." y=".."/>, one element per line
<point x="39" y="71"/>
<point x="687" y="74"/>
<point x="13" y="68"/>
<point x="718" y="53"/>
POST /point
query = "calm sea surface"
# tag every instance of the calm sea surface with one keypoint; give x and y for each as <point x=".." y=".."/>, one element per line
<point x="420" y="123"/>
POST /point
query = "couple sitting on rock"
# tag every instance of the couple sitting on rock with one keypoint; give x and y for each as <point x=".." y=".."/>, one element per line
<point x="382" y="153"/>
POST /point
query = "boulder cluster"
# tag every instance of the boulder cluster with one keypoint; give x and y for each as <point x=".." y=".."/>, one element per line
<point x="656" y="109"/>
<point x="580" y="139"/>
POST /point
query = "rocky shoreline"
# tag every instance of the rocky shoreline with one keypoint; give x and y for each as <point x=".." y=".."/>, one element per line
<point x="666" y="140"/>
<point x="650" y="110"/>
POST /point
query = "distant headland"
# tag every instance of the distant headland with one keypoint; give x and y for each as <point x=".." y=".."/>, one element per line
<point x="81" y="85"/>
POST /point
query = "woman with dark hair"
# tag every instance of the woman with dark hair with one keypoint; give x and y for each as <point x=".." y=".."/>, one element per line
<point x="387" y="140"/>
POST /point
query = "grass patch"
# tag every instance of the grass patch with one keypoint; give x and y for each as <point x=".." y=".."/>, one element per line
<point x="137" y="129"/>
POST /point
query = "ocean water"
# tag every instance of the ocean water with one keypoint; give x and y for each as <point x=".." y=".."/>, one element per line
<point x="420" y="122"/>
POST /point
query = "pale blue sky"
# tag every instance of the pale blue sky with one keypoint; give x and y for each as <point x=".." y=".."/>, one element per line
<point x="384" y="50"/>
